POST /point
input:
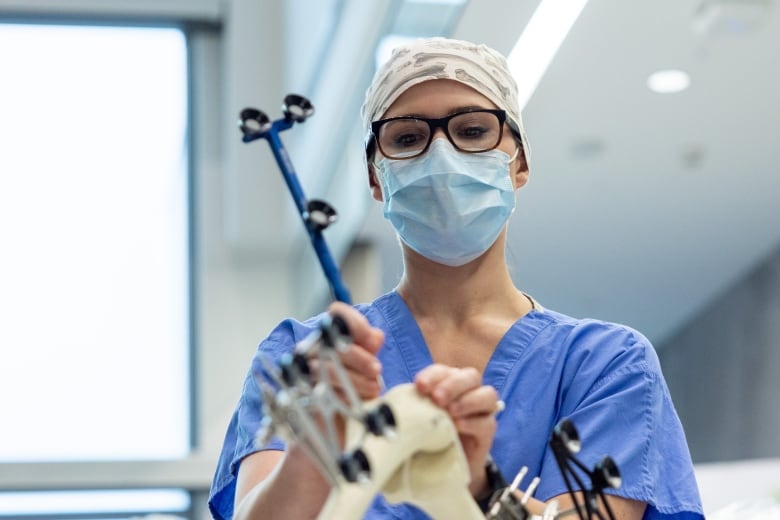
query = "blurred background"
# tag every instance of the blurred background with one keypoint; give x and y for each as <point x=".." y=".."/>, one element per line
<point x="146" y="250"/>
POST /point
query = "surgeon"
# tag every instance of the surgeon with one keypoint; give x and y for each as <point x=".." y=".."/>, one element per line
<point x="446" y="154"/>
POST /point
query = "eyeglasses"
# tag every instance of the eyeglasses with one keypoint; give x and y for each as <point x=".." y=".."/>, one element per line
<point x="406" y="137"/>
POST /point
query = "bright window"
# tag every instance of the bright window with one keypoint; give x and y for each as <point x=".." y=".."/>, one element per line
<point x="94" y="268"/>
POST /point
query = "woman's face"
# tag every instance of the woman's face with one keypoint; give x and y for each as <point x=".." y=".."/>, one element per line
<point x="440" y="98"/>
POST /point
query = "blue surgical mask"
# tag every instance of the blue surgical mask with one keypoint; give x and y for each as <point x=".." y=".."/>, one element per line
<point x="447" y="205"/>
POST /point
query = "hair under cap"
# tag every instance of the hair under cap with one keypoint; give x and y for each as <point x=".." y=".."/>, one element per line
<point x="474" y="65"/>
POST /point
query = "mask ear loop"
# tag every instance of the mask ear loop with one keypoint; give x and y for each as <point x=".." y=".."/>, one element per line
<point x="377" y="172"/>
<point x="514" y="155"/>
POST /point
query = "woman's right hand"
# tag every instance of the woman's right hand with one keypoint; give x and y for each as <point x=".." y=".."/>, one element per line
<point x="266" y="475"/>
<point x="359" y="360"/>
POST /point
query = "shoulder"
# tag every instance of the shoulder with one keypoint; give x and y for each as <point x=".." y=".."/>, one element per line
<point x="292" y="329"/>
<point x="591" y="329"/>
<point x="593" y="341"/>
<point x="590" y="356"/>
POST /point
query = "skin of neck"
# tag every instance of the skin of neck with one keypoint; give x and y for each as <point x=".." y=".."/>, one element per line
<point x="481" y="286"/>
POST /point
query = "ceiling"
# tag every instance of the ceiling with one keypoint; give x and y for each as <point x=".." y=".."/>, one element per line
<point x="642" y="207"/>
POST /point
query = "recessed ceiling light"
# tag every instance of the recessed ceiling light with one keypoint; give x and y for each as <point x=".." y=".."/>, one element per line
<point x="668" y="81"/>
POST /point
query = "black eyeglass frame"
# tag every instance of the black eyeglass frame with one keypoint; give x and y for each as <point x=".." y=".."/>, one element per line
<point x="433" y="124"/>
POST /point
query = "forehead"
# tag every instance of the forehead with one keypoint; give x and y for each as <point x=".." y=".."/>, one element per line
<point x="436" y="98"/>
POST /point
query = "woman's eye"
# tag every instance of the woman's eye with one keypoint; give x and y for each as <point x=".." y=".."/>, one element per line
<point x="472" y="132"/>
<point x="406" y="140"/>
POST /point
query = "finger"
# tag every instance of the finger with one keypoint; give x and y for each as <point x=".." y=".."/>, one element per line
<point x="480" y="401"/>
<point x="361" y="361"/>
<point x="427" y="379"/>
<point x="445" y="384"/>
<point x="360" y="330"/>
<point x="366" y="387"/>
<point x="477" y="426"/>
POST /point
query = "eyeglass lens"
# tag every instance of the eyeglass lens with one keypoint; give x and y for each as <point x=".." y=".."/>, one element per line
<point x="468" y="131"/>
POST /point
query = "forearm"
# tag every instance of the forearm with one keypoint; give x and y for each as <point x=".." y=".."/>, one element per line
<point x="622" y="508"/>
<point x="294" y="489"/>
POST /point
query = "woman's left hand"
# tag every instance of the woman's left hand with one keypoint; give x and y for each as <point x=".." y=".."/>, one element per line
<point x="472" y="407"/>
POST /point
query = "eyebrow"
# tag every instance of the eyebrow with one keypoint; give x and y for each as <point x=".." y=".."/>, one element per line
<point x="458" y="110"/>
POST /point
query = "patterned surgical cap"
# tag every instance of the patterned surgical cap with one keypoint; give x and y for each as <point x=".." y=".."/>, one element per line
<point x="475" y="65"/>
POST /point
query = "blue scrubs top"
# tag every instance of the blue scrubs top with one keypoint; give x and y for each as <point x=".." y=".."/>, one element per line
<point x="605" y="377"/>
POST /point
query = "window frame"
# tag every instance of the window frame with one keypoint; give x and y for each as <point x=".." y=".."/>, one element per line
<point x="192" y="473"/>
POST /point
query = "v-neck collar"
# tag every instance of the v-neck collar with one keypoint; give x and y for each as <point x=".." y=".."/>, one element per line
<point x="407" y="338"/>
